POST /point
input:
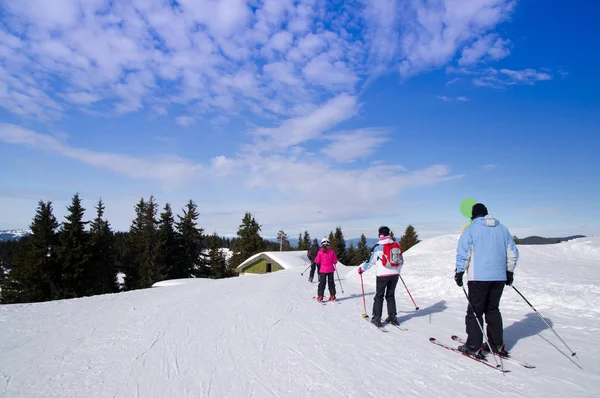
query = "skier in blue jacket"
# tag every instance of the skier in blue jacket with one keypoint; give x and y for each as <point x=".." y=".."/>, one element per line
<point x="488" y="254"/>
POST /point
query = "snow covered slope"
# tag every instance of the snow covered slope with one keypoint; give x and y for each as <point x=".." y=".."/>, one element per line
<point x="265" y="337"/>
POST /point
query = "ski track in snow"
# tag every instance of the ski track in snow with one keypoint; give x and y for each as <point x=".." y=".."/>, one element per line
<point x="265" y="337"/>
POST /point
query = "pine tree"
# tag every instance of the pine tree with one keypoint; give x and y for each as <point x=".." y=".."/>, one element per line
<point x="249" y="242"/>
<point x="134" y="248"/>
<point x="150" y="271"/>
<point x="300" y="244"/>
<point x="305" y="241"/>
<point x="392" y="235"/>
<point x="35" y="274"/>
<point x="216" y="258"/>
<point x="103" y="261"/>
<point x="409" y="239"/>
<point x="362" y="250"/>
<point x="190" y="238"/>
<point x="168" y="257"/>
<point x="351" y="256"/>
<point x="75" y="254"/>
<point x="517" y="240"/>
<point x="339" y="245"/>
<point x="284" y="242"/>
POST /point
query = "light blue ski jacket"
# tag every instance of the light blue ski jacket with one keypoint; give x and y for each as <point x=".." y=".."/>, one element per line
<point x="486" y="250"/>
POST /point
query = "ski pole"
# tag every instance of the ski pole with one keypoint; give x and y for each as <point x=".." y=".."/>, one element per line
<point x="339" y="280"/>
<point x="416" y="308"/>
<point x="481" y="327"/>
<point x="363" y="294"/>
<point x="533" y="308"/>
<point x="306" y="269"/>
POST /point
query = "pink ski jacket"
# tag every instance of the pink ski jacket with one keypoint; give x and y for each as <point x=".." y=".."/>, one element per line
<point x="326" y="260"/>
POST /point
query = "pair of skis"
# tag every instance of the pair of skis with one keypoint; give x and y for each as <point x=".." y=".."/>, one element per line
<point x="459" y="340"/>
<point x="324" y="302"/>
<point x="383" y="325"/>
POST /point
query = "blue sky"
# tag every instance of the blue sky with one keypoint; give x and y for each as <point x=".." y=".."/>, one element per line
<point x="311" y="114"/>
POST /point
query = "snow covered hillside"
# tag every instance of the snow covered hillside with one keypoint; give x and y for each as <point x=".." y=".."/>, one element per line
<point x="264" y="336"/>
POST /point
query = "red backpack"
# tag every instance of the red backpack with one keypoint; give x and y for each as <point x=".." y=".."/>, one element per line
<point x="392" y="253"/>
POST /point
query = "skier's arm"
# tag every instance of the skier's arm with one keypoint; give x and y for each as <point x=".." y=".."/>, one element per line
<point x="512" y="253"/>
<point x="317" y="259"/>
<point x="462" y="250"/>
<point x="367" y="264"/>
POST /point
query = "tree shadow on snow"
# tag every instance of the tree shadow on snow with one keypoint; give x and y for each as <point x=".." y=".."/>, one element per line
<point x="440" y="306"/>
<point x="529" y="326"/>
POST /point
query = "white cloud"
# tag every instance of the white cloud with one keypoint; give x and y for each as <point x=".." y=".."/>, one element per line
<point x="228" y="56"/>
<point x="501" y="78"/>
<point x="184" y="120"/>
<point x="300" y="129"/>
<point x="489" y="47"/>
<point x="347" y="146"/>
<point x="445" y="98"/>
<point x="489" y="166"/>
<point x="165" y="168"/>
<point x="435" y="31"/>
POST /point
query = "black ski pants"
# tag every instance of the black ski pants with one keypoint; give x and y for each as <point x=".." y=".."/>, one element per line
<point x="385" y="287"/>
<point x="323" y="278"/>
<point x="485" y="298"/>
<point x="313" y="266"/>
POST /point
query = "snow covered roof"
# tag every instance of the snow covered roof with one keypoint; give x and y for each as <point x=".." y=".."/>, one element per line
<point x="287" y="260"/>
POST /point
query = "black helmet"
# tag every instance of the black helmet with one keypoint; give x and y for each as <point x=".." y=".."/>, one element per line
<point x="383" y="230"/>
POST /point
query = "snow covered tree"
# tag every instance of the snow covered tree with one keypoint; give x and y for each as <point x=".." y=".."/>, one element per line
<point x="75" y="254"/>
<point x="36" y="273"/>
<point x="190" y="242"/>
<point x="103" y="260"/>
<point x="409" y="239"/>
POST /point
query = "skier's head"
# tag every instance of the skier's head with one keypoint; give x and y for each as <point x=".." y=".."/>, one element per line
<point x="383" y="231"/>
<point x="324" y="243"/>
<point x="315" y="241"/>
<point x="479" y="210"/>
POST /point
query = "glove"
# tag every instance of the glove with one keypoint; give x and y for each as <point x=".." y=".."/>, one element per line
<point x="510" y="276"/>
<point x="360" y="270"/>
<point x="458" y="278"/>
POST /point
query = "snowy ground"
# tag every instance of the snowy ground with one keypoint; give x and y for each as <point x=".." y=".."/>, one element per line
<point x="264" y="336"/>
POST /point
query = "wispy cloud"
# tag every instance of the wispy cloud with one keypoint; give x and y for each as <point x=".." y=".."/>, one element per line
<point x="436" y="31"/>
<point x="302" y="128"/>
<point x="489" y="166"/>
<point x="502" y="78"/>
<point x="272" y="58"/>
<point x="164" y="168"/>
<point x="452" y="81"/>
<point x="184" y="120"/>
<point x="487" y="48"/>
<point x="348" y="146"/>
<point x="445" y="98"/>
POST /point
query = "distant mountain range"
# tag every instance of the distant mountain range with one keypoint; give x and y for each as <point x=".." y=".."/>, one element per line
<point x="530" y="240"/>
<point x="538" y="240"/>
<point x="16" y="234"/>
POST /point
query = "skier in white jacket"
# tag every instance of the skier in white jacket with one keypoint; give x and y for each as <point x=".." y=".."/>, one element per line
<point x="386" y="256"/>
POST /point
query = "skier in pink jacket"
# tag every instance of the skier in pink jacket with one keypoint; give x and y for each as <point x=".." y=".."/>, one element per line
<point x="326" y="259"/>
